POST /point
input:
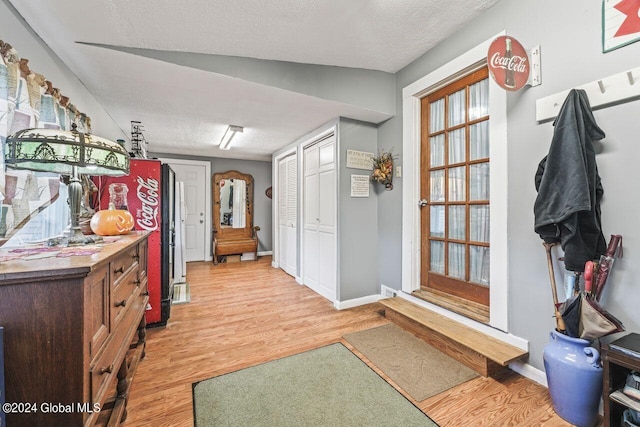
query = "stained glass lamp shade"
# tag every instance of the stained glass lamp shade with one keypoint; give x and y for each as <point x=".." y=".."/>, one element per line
<point x="67" y="153"/>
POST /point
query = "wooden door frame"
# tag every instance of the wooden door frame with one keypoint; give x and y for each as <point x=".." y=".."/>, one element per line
<point x="412" y="95"/>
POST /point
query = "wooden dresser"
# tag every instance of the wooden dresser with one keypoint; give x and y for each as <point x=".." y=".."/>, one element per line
<point x="74" y="332"/>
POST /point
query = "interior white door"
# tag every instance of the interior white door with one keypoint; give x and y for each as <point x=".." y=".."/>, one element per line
<point x="194" y="178"/>
<point x="319" y="218"/>
<point x="287" y="214"/>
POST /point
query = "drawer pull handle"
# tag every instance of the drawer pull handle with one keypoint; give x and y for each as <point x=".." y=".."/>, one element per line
<point x="136" y="257"/>
<point x="119" y="270"/>
<point x="106" y="370"/>
<point x="137" y="282"/>
<point x="122" y="303"/>
<point x="145" y="293"/>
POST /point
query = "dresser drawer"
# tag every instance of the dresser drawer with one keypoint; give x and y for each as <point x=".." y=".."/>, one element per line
<point x="104" y="370"/>
<point x="122" y="296"/>
<point x="124" y="263"/>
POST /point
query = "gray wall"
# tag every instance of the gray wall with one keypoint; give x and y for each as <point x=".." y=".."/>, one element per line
<point x="42" y="60"/>
<point x="569" y="33"/>
<point x="358" y="217"/>
<point x="261" y="172"/>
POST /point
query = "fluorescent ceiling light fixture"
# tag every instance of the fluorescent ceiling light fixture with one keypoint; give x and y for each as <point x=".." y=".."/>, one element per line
<point x="225" y="144"/>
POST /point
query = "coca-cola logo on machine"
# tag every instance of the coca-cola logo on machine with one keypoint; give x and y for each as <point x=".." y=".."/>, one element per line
<point x="508" y="63"/>
<point x="147" y="193"/>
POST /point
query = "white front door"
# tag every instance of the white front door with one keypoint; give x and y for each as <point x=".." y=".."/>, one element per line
<point x="196" y="179"/>
<point x="319" y="218"/>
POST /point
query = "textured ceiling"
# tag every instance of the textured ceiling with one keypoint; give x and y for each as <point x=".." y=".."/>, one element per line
<point x="174" y="100"/>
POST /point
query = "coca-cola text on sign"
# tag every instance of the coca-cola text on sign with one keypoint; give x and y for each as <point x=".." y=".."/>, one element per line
<point x="508" y="63"/>
<point x="147" y="215"/>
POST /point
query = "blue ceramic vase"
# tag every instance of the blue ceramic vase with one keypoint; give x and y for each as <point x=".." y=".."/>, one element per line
<point x="574" y="376"/>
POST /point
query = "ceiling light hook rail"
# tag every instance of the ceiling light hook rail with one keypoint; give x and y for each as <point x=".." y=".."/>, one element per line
<point x="601" y="86"/>
<point x="630" y="77"/>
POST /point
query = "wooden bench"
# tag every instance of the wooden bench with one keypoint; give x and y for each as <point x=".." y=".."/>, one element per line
<point x="233" y="196"/>
<point x="481" y="352"/>
<point x="247" y="241"/>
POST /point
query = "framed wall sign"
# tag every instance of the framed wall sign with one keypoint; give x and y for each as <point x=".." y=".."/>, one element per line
<point x="620" y="23"/>
<point x="508" y="63"/>
<point x="359" y="185"/>
<point x="359" y="160"/>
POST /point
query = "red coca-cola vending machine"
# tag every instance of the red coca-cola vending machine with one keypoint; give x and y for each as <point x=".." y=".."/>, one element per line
<point x="149" y="190"/>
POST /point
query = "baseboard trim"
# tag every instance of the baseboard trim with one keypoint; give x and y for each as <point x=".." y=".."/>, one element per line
<point x="528" y="371"/>
<point x="265" y="253"/>
<point x="342" y="305"/>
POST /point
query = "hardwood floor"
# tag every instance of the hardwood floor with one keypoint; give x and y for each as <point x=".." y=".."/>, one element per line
<point x="243" y="314"/>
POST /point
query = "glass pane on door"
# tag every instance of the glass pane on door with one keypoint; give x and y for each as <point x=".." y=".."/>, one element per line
<point x="457" y="108"/>
<point x="457" y="222"/>
<point x="456" y="260"/>
<point x="479" y="185"/>
<point x="437" y="186"/>
<point x="479" y="140"/>
<point x="479" y="99"/>
<point x="479" y="264"/>
<point x="436" y="116"/>
<point x="436" y="250"/>
<point x="479" y="223"/>
<point x="457" y="146"/>
<point x="457" y="180"/>
<point x="436" y="221"/>
<point x="436" y="150"/>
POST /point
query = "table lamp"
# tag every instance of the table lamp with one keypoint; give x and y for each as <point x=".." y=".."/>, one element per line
<point x="67" y="153"/>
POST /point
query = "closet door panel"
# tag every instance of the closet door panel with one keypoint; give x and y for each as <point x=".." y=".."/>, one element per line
<point x="311" y="202"/>
<point x="319" y="218"/>
<point x="311" y="265"/>
<point x="287" y="214"/>
<point x="327" y="265"/>
<point x="327" y="202"/>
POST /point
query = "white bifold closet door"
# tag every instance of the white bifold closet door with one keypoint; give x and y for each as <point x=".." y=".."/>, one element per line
<point x="319" y="218"/>
<point x="287" y="213"/>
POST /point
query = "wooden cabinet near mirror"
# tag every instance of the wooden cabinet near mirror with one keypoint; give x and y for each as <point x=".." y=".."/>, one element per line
<point x="233" y="230"/>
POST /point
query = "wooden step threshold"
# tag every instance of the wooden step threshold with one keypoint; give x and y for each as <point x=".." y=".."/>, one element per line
<point x="466" y="308"/>
<point x="481" y="352"/>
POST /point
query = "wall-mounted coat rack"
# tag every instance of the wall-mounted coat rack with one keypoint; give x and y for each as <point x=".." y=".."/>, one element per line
<point x="614" y="89"/>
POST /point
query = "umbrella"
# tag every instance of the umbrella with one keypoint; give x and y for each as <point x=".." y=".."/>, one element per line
<point x="571" y="315"/>
<point x="595" y="321"/>
<point x="606" y="263"/>
<point x="560" y="326"/>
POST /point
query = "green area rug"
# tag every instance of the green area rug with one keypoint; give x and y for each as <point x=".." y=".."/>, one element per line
<point x="416" y="367"/>
<point x="328" y="386"/>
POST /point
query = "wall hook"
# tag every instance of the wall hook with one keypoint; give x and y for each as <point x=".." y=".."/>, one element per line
<point x="630" y="77"/>
<point x="601" y="85"/>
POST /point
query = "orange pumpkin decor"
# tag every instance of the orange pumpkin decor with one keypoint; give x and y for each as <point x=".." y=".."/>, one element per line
<point x="111" y="222"/>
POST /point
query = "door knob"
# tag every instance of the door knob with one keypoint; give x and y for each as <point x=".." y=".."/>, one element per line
<point x="422" y="203"/>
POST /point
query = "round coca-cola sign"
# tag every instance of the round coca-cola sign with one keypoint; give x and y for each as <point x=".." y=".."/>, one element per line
<point x="508" y="63"/>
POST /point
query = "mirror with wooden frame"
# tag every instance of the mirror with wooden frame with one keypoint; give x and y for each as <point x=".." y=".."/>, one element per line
<point x="233" y="230"/>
